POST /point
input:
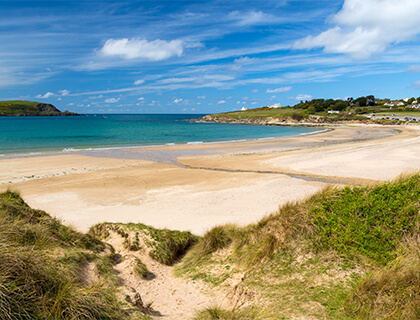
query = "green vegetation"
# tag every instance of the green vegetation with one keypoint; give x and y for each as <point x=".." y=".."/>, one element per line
<point x="165" y="246"/>
<point x="141" y="269"/>
<point x="322" y="111"/>
<point x="216" y="313"/>
<point x="345" y="253"/>
<point x="264" y="112"/>
<point x="29" y="108"/>
<point x="43" y="268"/>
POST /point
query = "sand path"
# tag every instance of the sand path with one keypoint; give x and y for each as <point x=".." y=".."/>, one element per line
<point x="166" y="296"/>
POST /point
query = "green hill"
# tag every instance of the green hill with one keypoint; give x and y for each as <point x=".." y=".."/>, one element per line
<point x="20" y="108"/>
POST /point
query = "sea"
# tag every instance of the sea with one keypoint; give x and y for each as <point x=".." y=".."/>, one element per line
<point x="38" y="135"/>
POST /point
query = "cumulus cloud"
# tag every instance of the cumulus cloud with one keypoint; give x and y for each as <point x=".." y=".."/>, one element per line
<point x="201" y="97"/>
<point x="139" y="82"/>
<point x="366" y="27"/>
<point x="155" y="50"/>
<point x="221" y="102"/>
<point x="177" y="100"/>
<point x="112" y="100"/>
<point x="301" y="97"/>
<point x="282" y="89"/>
<point x="141" y="99"/>
<point x="45" y="96"/>
<point x="64" y="92"/>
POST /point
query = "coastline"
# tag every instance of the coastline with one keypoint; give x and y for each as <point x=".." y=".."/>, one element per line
<point x="197" y="186"/>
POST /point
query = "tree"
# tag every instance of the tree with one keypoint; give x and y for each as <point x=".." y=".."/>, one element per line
<point x="340" y="105"/>
<point x="361" y="101"/>
<point x="370" y="100"/>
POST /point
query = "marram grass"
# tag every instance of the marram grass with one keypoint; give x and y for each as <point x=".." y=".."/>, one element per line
<point x="40" y="267"/>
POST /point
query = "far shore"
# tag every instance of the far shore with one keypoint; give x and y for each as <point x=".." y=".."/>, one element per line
<point x="195" y="187"/>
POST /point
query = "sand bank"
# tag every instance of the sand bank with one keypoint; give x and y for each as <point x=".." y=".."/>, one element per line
<point x="195" y="187"/>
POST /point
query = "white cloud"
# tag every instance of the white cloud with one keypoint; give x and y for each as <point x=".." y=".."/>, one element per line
<point x="244" y="60"/>
<point x="300" y="97"/>
<point x="201" y="97"/>
<point x="46" y="96"/>
<point x="141" y="99"/>
<point x="415" y="85"/>
<point x="366" y="27"/>
<point x="414" y="69"/>
<point x="64" y="92"/>
<point x="139" y="82"/>
<point x="221" y="102"/>
<point x="251" y="18"/>
<point x="112" y="100"/>
<point x="96" y="97"/>
<point x="155" y="50"/>
<point x="177" y="100"/>
<point x="282" y="89"/>
<point x="254" y="90"/>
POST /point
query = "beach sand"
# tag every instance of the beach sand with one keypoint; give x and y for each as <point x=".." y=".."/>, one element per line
<point x="195" y="187"/>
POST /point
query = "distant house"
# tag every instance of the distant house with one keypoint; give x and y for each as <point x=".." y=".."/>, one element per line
<point x="333" y="111"/>
<point x="244" y="108"/>
<point x="394" y="104"/>
<point x="276" y="105"/>
<point x="414" y="106"/>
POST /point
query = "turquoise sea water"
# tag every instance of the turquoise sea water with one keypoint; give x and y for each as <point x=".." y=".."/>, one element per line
<point x="25" y="135"/>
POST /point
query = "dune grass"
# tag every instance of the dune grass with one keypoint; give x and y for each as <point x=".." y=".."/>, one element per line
<point x="41" y="268"/>
<point x="216" y="313"/>
<point x="141" y="269"/>
<point x="165" y="246"/>
<point x="353" y="237"/>
<point x="343" y="253"/>
<point x="391" y="292"/>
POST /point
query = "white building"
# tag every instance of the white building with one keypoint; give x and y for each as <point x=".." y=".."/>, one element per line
<point x="244" y="108"/>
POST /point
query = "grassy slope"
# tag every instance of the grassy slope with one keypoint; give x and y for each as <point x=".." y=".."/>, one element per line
<point x="352" y="253"/>
<point x="24" y="108"/>
<point x="261" y="113"/>
<point x="41" y="268"/>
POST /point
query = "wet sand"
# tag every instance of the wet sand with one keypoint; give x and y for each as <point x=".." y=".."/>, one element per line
<point x="195" y="187"/>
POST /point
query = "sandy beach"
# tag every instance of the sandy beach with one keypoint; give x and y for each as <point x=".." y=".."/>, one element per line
<point x="195" y="187"/>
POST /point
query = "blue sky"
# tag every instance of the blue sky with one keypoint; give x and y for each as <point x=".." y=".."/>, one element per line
<point x="206" y="56"/>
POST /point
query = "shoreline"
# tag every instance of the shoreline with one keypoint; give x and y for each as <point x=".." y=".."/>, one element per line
<point x="78" y="150"/>
<point x="195" y="187"/>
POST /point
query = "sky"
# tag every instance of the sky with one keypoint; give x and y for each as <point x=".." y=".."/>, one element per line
<point x="206" y="56"/>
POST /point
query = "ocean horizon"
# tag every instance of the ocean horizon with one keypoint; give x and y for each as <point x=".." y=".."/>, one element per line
<point x="32" y="135"/>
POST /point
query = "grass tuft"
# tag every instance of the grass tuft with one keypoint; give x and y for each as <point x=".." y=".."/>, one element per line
<point x="216" y="313"/>
<point x="390" y="292"/>
<point x="141" y="269"/>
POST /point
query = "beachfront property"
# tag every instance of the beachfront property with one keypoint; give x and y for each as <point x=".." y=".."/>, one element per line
<point x="244" y="109"/>
<point x="333" y="111"/>
<point x="394" y="104"/>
